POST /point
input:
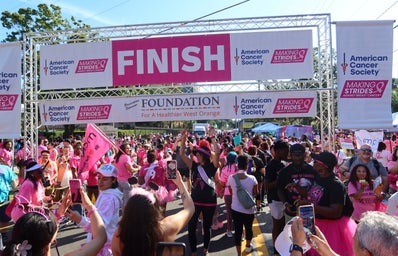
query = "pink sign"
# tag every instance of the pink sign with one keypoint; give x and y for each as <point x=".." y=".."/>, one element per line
<point x="7" y="101"/>
<point x="90" y="66"/>
<point x="363" y="88"/>
<point x="293" y="105"/>
<point x="289" y="55"/>
<point x="94" y="112"/>
<point x="171" y="60"/>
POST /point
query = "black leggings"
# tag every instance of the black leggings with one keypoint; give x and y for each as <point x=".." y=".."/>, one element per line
<point x="207" y="212"/>
<point x="240" y="220"/>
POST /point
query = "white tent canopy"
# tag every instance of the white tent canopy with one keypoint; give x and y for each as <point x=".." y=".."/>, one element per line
<point x="268" y="127"/>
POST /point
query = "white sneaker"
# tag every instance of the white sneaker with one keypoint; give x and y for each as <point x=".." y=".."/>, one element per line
<point x="229" y="233"/>
<point x="249" y="249"/>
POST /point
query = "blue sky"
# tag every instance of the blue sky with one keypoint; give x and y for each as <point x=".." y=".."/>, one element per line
<point x="101" y="13"/>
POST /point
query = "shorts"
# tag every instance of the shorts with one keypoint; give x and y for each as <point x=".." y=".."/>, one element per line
<point x="184" y="172"/>
<point x="3" y="215"/>
<point x="277" y="209"/>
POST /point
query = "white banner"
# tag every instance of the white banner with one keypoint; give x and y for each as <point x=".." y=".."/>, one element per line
<point x="179" y="59"/>
<point x="180" y="107"/>
<point x="364" y="60"/>
<point x="10" y="90"/>
<point x="371" y="138"/>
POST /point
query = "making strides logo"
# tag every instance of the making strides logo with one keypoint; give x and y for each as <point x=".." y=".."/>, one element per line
<point x="94" y="112"/>
<point x="91" y="66"/>
<point x="363" y="88"/>
<point x="282" y="56"/>
<point x="293" y="105"/>
<point x="250" y="57"/>
<point x="7" y="101"/>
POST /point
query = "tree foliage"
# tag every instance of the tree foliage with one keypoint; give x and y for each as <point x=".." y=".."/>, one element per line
<point x="44" y="18"/>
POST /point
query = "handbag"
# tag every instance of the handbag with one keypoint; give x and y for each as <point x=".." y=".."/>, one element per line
<point x="244" y="197"/>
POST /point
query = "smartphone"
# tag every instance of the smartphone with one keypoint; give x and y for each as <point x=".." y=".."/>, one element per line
<point x="171" y="169"/>
<point x="306" y="212"/>
<point x="171" y="249"/>
<point x="74" y="186"/>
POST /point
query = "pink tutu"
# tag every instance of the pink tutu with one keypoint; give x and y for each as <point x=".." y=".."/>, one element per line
<point x="165" y="195"/>
<point x="339" y="234"/>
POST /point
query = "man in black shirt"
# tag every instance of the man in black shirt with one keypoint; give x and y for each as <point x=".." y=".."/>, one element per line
<point x="295" y="180"/>
<point x="281" y="150"/>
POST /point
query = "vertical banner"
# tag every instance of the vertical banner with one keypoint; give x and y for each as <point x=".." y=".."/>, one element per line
<point x="364" y="61"/>
<point x="10" y="90"/>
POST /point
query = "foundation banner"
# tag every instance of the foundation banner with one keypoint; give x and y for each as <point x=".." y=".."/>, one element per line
<point x="195" y="106"/>
<point x="364" y="62"/>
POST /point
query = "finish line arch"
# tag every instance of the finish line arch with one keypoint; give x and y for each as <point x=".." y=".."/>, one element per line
<point x="35" y="95"/>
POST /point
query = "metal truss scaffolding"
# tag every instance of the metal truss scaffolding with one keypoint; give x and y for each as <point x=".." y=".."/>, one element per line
<point x="322" y="80"/>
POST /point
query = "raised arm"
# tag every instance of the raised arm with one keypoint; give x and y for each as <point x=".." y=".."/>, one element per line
<point x="184" y="157"/>
<point x="97" y="229"/>
<point x="173" y="224"/>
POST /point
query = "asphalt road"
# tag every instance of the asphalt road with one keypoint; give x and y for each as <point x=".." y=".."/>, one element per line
<point x="71" y="237"/>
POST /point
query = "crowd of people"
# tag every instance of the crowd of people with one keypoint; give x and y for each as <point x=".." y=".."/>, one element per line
<point x="125" y="194"/>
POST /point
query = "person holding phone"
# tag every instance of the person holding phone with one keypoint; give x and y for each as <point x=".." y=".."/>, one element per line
<point x="376" y="235"/>
<point x="108" y="204"/>
<point x="332" y="206"/>
<point x="36" y="231"/>
<point x="143" y="215"/>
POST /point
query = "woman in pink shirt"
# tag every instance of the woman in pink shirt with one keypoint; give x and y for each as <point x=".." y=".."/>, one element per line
<point x="126" y="169"/>
<point x="31" y="193"/>
<point x="6" y="153"/>
<point x="360" y="190"/>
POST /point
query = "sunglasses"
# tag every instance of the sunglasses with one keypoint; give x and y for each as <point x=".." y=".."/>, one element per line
<point x="366" y="150"/>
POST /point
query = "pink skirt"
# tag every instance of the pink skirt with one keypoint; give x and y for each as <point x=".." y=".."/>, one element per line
<point x="339" y="234"/>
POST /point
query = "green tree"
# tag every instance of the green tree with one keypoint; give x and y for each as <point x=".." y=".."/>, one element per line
<point x="44" y="18"/>
<point x="394" y="95"/>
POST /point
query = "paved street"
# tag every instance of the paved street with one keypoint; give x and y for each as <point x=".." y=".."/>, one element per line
<point x="71" y="237"/>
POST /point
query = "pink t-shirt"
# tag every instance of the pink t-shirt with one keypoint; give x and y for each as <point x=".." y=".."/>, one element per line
<point x="124" y="173"/>
<point x="155" y="172"/>
<point x="225" y="173"/>
<point x="367" y="202"/>
<point x="28" y="195"/>
<point x="7" y="156"/>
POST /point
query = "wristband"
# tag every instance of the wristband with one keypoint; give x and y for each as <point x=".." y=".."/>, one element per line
<point x="93" y="209"/>
<point x="295" y="247"/>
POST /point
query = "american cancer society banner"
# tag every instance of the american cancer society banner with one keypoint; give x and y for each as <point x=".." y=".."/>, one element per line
<point x="10" y="90"/>
<point x="180" y="59"/>
<point x="364" y="59"/>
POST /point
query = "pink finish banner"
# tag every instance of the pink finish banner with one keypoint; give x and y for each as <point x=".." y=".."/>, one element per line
<point x="171" y="60"/>
<point x="179" y="59"/>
